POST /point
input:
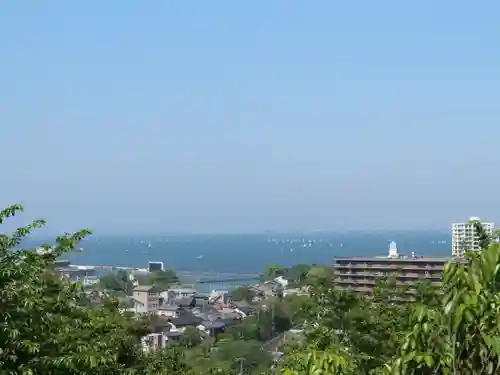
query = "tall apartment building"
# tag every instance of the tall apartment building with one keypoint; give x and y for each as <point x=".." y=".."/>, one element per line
<point x="465" y="237"/>
<point x="362" y="273"/>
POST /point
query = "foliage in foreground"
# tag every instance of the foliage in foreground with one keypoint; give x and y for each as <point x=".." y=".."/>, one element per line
<point x="453" y="330"/>
<point x="50" y="327"/>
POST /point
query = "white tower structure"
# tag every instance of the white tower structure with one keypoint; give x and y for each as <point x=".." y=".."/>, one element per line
<point x="393" y="250"/>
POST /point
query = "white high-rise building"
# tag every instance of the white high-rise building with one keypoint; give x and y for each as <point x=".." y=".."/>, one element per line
<point x="464" y="237"/>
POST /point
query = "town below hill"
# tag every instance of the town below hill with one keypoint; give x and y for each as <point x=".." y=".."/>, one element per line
<point x="297" y="321"/>
<point x="253" y="321"/>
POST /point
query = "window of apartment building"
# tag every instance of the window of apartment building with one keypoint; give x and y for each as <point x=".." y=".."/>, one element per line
<point x="151" y="294"/>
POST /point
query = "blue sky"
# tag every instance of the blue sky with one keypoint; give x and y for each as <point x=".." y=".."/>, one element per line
<point x="133" y="116"/>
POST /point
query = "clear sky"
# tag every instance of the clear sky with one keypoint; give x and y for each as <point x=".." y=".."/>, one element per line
<point x="133" y="116"/>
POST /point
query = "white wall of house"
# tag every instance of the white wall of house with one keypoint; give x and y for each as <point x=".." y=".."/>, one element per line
<point x="139" y="307"/>
<point x="154" y="341"/>
<point x="282" y="281"/>
<point x="167" y="313"/>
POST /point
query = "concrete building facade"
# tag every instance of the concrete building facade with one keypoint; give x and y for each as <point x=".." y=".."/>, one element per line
<point x="361" y="274"/>
<point x="146" y="299"/>
<point x="464" y="236"/>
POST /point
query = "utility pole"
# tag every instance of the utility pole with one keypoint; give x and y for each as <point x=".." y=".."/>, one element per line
<point x="272" y="320"/>
<point x="240" y="360"/>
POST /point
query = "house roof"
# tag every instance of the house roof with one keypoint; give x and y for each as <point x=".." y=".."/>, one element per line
<point x="160" y="324"/>
<point x="173" y="333"/>
<point x="185" y="301"/>
<point x="191" y="301"/>
<point x="243" y="306"/>
<point x="265" y="288"/>
<point x="210" y="316"/>
<point x="273" y="284"/>
<point x="144" y="288"/>
<point x="186" y="319"/>
<point x="137" y="302"/>
<point x="213" y="325"/>
<point x="170" y="307"/>
<point x="181" y="289"/>
<point x="231" y="315"/>
<point x="246" y="309"/>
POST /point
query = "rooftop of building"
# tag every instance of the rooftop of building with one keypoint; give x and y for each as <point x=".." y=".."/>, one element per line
<point x="182" y="290"/>
<point x="394" y="257"/>
<point x="214" y="324"/>
<point x="409" y="259"/>
<point x="145" y="288"/>
<point x="170" y="307"/>
<point x="186" y="319"/>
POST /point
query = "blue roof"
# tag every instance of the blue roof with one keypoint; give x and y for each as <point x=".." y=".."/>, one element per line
<point x="392" y="245"/>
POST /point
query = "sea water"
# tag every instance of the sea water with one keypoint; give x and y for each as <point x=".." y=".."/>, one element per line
<point x="249" y="253"/>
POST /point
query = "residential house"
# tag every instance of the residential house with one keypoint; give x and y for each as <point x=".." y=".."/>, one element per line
<point x="243" y="308"/>
<point x="146" y="299"/>
<point x="221" y="297"/>
<point x="212" y="328"/>
<point x="201" y="303"/>
<point x="163" y="333"/>
<point x="296" y="291"/>
<point x="177" y="292"/>
<point x="184" y="320"/>
<point x="268" y="289"/>
<point x="170" y="310"/>
<point x="154" y="341"/>
<point x="174" y="336"/>
<point x="205" y="310"/>
<point x="186" y="302"/>
<point x="282" y="281"/>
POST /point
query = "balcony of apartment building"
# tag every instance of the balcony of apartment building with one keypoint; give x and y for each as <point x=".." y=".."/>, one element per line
<point x="371" y="280"/>
<point x="401" y="275"/>
<point x="389" y="266"/>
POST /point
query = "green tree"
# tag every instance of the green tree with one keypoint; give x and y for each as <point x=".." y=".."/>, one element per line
<point x="297" y="275"/>
<point x="462" y="334"/>
<point x="242" y="294"/>
<point x="361" y="332"/>
<point x="272" y="272"/>
<point x="246" y="330"/>
<point x="336" y="362"/>
<point x="191" y="337"/>
<point x="245" y="357"/>
<point x="51" y="327"/>
<point x="161" y="279"/>
<point x="119" y="281"/>
<point x="319" y="276"/>
<point x="452" y="329"/>
<point x="298" y="309"/>
<point x="48" y="324"/>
